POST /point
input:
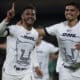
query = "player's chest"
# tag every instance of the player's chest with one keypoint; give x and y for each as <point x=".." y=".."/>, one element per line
<point x="69" y="34"/>
<point x="26" y="41"/>
<point x="26" y="36"/>
<point x="42" y="51"/>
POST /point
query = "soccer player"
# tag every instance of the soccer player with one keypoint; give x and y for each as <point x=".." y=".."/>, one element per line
<point x="20" y="44"/>
<point x="68" y="36"/>
<point x="44" y="50"/>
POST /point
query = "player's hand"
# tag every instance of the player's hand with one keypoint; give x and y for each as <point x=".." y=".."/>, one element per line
<point x="38" y="72"/>
<point x="77" y="46"/>
<point x="10" y="13"/>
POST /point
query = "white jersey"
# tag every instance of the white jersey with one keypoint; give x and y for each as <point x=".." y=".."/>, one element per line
<point x="43" y="50"/>
<point x="20" y="44"/>
<point x="67" y="39"/>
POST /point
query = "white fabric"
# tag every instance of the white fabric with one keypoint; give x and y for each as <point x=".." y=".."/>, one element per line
<point x="67" y="74"/>
<point x="67" y="39"/>
<point x="20" y="44"/>
<point x="59" y="63"/>
<point x="6" y="76"/>
<point x="43" y="50"/>
<point x="3" y="25"/>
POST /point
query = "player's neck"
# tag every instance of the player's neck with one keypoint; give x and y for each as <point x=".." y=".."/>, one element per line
<point x="38" y="43"/>
<point x="26" y="26"/>
<point x="72" y="23"/>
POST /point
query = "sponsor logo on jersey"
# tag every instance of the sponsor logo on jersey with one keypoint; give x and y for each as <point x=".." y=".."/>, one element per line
<point x="69" y="35"/>
<point x="28" y="37"/>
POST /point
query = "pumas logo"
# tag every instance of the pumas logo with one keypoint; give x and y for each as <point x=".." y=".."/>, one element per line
<point x="69" y="35"/>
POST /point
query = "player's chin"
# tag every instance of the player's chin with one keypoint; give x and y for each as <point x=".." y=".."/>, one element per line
<point x="69" y="18"/>
<point x="30" y="22"/>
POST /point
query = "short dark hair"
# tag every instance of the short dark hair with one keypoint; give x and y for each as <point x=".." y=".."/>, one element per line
<point x="73" y="4"/>
<point x="29" y="7"/>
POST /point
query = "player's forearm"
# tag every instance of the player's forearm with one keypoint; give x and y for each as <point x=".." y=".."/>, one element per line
<point x="3" y="25"/>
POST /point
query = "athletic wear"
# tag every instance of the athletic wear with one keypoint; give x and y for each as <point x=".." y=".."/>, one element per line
<point x="20" y="44"/>
<point x="43" y="50"/>
<point x="67" y="39"/>
<point x="18" y="56"/>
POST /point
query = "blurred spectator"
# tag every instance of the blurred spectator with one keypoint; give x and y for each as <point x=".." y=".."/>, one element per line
<point x="52" y="67"/>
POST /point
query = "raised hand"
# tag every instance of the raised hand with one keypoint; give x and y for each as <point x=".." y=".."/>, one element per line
<point x="10" y="13"/>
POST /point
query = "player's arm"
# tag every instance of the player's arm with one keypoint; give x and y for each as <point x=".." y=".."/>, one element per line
<point x="10" y="15"/>
<point x="51" y="30"/>
<point x="77" y="46"/>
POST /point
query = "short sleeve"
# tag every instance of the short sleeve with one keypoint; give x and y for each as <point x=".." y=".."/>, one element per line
<point x="52" y="30"/>
<point x="53" y="49"/>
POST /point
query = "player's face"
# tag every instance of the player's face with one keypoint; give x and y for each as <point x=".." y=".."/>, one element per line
<point x="29" y="16"/>
<point x="71" y="12"/>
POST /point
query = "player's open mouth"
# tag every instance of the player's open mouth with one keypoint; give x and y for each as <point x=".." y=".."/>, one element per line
<point x="30" y="20"/>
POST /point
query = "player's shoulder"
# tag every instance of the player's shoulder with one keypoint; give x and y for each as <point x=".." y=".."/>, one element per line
<point x="62" y="23"/>
<point x="49" y="46"/>
<point x="13" y="26"/>
<point x="57" y="25"/>
<point x="79" y="22"/>
<point x="34" y="31"/>
<point x="47" y="43"/>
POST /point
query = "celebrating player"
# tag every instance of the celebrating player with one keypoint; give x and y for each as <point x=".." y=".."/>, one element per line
<point x="68" y="36"/>
<point x="20" y="44"/>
